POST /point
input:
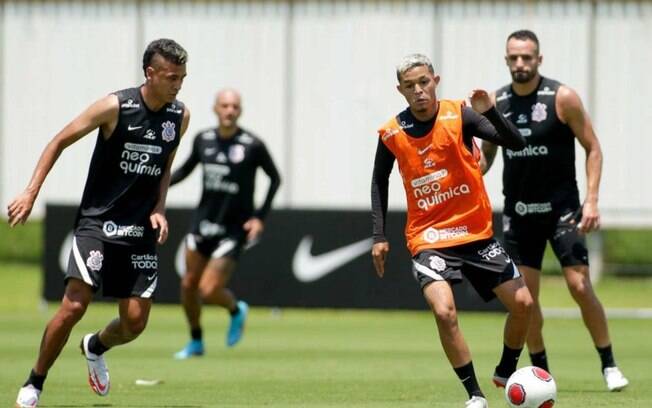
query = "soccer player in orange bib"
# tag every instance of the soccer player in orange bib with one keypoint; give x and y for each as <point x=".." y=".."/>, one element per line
<point x="449" y="220"/>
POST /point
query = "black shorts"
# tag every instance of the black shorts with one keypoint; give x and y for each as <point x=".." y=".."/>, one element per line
<point x="484" y="263"/>
<point x="121" y="271"/>
<point x="525" y="238"/>
<point x="229" y="244"/>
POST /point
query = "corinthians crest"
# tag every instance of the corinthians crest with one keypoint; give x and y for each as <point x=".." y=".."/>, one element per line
<point x="94" y="260"/>
<point x="168" y="132"/>
<point x="539" y="113"/>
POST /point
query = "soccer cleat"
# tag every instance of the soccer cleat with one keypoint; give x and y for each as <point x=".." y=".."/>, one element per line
<point x="98" y="373"/>
<point x="194" y="348"/>
<point x="236" y="328"/>
<point x="477" y="402"/>
<point x="615" y="379"/>
<point x="28" y="397"/>
<point x="499" y="381"/>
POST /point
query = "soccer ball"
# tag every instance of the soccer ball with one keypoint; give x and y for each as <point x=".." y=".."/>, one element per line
<point x="531" y="387"/>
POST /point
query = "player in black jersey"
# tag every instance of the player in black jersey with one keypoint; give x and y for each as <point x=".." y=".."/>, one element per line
<point x="541" y="195"/>
<point x="122" y="213"/>
<point x="225" y="220"/>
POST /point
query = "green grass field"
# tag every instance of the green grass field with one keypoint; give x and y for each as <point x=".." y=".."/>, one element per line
<point x="314" y="358"/>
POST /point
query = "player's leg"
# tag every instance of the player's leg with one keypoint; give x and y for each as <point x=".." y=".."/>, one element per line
<point x="516" y="298"/>
<point x="434" y="269"/>
<point x="525" y="242"/>
<point x="75" y="300"/>
<point x="439" y="296"/>
<point x="581" y="289"/>
<point x="214" y="290"/>
<point x="191" y="300"/>
<point x="535" y="343"/>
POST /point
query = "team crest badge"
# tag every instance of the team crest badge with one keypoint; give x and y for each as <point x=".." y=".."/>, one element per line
<point x="539" y="113"/>
<point x="168" y="132"/>
<point x="94" y="261"/>
<point x="236" y="153"/>
<point x="437" y="264"/>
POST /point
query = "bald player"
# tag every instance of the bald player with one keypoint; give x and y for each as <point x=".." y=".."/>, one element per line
<point x="225" y="220"/>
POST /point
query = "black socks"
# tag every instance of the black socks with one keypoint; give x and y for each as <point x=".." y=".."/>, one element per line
<point x="466" y="374"/>
<point x="606" y="357"/>
<point x="95" y="346"/>
<point x="508" y="361"/>
<point x="196" y="334"/>
<point x="36" y="380"/>
<point x="540" y="360"/>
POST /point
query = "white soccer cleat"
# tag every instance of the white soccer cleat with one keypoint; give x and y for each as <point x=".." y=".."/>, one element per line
<point x="615" y="379"/>
<point x="98" y="373"/>
<point x="477" y="402"/>
<point x="28" y="397"/>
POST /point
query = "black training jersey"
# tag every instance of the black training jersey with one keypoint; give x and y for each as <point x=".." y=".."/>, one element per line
<point x="124" y="177"/>
<point x="228" y="180"/>
<point x="540" y="178"/>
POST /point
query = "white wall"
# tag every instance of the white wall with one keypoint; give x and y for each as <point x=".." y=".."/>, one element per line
<point x="317" y="79"/>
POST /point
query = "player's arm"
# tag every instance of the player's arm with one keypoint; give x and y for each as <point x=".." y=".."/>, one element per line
<point x="256" y="224"/>
<point x="571" y="111"/>
<point x="188" y="166"/>
<point x="157" y="218"/>
<point x="103" y="113"/>
<point x="383" y="163"/>
<point x="489" y="124"/>
<point x="487" y="148"/>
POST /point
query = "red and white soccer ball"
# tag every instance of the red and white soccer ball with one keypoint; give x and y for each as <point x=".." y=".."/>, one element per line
<point x="531" y="387"/>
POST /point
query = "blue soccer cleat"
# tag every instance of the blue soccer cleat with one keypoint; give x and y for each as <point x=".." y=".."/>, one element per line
<point x="236" y="328"/>
<point x="194" y="348"/>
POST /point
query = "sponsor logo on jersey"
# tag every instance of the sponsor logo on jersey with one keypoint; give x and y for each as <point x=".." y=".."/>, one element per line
<point x="432" y="235"/>
<point x="221" y="158"/>
<point x="144" y="148"/>
<point x="448" y="116"/>
<point x="503" y="96"/>
<point x="94" y="260"/>
<point x="245" y="138"/>
<point x="522" y="119"/>
<point x="539" y="112"/>
<point x="150" y="134"/>
<point x="236" y="153"/>
<point x="546" y="91"/>
<point x="168" y="132"/>
<point x="421" y="181"/>
<point x="210" y="229"/>
<point x="428" y="163"/>
<point x="528" y="151"/>
<point x="387" y="133"/>
<point x="424" y="150"/>
<point x="208" y="135"/>
<point x="214" y="179"/>
<point x="111" y="229"/>
<point x="525" y="132"/>
<point x="174" y="109"/>
<point x="130" y="104"/>
<point x="146" y="261"/>
<point x="437" y="263"/>
<point x="405" y="125"/>
<point x="135" y="158"/>
<point x="522" y="208"/>
<point x="131" y="128"/>
<point x="430" y="195"/>
<point x="507" y="114"/>
<point x="493" y="250"/>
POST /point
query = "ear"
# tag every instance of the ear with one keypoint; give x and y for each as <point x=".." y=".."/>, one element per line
<point x="540" y="59"/>
<point x="506" y="60"/>
<point x="437" y="78"/>
<point x="149" y="72"/>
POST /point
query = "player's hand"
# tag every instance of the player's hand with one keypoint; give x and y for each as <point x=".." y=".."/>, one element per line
<point x="379" y="253"/>
<point x="480" y="100"/>
<point x="160" y="223"/>
<point x="254" y="227"/>
<point x="590" y="218"/>
<point x="20" y="208"/>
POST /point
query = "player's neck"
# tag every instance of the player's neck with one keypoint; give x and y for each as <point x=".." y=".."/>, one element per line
<point x="152" y="102"/>
<point x="226" y="132"/>
<point x="527" y="87"/>
<point x="425" y="116"/>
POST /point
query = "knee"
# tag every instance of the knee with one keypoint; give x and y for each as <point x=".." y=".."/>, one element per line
<point x="189" y="282"/>
<point x="72" y="312"/>
<point x="134" y="327"/>
<point x="446" y="316"/>
<point x="580" y="289"/>
<point x="523" y="305"/>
